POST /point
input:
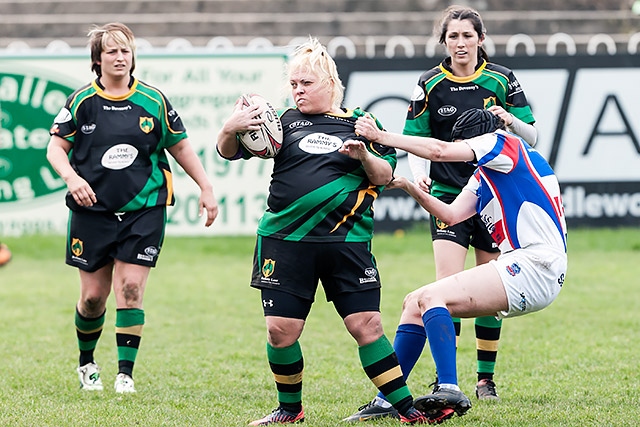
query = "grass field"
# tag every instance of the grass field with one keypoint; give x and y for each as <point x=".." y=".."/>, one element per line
<point x="202" y="358"/>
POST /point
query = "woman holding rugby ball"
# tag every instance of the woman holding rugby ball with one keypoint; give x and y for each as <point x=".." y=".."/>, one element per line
<point x="318" y="227"/>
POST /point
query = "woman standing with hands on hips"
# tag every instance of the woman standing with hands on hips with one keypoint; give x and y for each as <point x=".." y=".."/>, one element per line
<point x="465" y="79"/>
<point x="108" y="144"/>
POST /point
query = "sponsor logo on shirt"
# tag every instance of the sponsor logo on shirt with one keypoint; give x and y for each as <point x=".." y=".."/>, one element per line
<point x="320" y="143"/>
<point x="463" y="88"/>
<point x="300" y="124"/>
<point x="119" y="156"/>
<point x="447" y="110"/>
<point x="114" y="108"/>
<point x="88" y="128"/>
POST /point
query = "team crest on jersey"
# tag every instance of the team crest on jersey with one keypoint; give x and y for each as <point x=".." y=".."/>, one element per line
<point x="268" y="267"/>
<point x="146" y="124"/>
<point x="489" y="102"/>
<point x="513" y="269"/>
<point x="77" y="246"/>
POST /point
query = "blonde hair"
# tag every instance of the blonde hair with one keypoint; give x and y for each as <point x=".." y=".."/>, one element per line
<point x="313" y="56"/>
<point x="100" y="36"/>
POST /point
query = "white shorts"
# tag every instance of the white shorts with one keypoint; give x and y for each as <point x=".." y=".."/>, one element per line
<point x="532" y="278"/>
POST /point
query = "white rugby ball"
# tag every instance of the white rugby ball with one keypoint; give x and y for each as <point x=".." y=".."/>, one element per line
<point x="266" y="141"/>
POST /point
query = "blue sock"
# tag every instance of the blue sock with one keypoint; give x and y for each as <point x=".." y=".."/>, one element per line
<point x="442" y="341"/>
<point x="408" y="344"/>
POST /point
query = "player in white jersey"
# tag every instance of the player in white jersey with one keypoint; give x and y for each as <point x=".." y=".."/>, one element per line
<point x="517" y="195"/>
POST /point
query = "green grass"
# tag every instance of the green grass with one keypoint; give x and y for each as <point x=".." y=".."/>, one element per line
<point x="202" y="359"/>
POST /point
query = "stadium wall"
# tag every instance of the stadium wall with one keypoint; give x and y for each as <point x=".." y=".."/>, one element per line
<point x="586" y="110"/>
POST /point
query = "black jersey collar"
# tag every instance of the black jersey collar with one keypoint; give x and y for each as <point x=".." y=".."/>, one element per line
<point x="131" y="81"/>
<point x="101" y="89"/>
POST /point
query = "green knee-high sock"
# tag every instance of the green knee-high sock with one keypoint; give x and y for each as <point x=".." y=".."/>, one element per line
<point x="88" y="332"/>
<point x="287" y="365"/>
<point x="381" y="365"/>
<point x="487" y="338"/>
<point x="129" y="323"/>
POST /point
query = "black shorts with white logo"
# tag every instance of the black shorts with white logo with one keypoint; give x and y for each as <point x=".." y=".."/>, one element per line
<point x="95" y="239"/>
<point x="296" y="267"/>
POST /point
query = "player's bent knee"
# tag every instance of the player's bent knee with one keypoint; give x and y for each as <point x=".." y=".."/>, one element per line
<point x="425" y="299"/>
<point x="283" y="332"/>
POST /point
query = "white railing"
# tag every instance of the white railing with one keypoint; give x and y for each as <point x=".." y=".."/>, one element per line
<point x="393" y="46"/>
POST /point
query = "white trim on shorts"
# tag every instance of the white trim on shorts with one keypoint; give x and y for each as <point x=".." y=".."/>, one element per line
<point x="532" y="278"/>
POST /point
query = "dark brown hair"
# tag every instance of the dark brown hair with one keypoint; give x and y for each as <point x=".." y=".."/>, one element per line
<point x="461" y="13"/>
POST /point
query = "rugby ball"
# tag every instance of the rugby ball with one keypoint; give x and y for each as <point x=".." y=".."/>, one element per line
<point x="266" y="141"/>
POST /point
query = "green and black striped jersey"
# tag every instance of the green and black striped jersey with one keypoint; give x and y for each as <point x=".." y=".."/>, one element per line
<point x="316" y="193"/>
<point x="119" y="145"/>
<point x="440" y="98"/>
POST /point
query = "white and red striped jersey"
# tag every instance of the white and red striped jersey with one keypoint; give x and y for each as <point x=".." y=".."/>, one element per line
<point x="519" y="197"/>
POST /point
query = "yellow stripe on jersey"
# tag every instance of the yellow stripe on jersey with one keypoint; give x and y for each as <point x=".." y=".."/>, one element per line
<point x="168" y="176"/>
<point x="361" y="195"/>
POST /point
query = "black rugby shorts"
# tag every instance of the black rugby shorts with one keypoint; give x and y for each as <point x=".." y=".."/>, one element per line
<point x="95" y="239"/>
